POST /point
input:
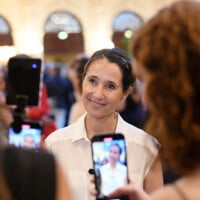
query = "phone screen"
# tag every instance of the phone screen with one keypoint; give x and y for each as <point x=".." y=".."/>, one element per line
<point x="28" y="137"/>
<point x="109" y="162"/>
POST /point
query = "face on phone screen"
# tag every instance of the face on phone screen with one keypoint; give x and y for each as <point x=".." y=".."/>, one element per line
<point x="110" y="163"/>
<point x="28" y="137"/>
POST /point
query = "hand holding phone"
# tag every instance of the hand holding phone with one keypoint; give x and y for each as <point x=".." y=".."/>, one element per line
<point x="109" y="162"/>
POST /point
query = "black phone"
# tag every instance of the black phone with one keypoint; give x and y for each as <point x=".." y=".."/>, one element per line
<point x="110" y="163"/>
<point x="28" y="136"/>
<point x="23" y="80"/>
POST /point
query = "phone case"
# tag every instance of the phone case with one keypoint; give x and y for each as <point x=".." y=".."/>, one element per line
<point x="109" y="162"/>
<point x="23" y="81"/>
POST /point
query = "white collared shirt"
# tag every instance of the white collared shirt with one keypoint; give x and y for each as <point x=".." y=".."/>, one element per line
<point x="72" y="148"/>
<point x="112" y="178"/>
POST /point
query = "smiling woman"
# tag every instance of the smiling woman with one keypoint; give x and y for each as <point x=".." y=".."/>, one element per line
<point x="102" y="92"/>
<point x="106" y="82"/>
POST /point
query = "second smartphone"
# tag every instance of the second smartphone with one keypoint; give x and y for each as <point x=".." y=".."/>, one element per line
<point x="110" y="163"/>
<point x="28" y="136"/>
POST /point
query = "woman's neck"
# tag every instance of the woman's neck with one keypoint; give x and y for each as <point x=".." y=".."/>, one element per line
<point x="96" y="126"/>
<point x="113" y="165"/>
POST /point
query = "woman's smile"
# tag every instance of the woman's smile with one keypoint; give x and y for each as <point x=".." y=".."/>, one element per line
<point x="102" y="89"/>
<point x="96" y="104"/>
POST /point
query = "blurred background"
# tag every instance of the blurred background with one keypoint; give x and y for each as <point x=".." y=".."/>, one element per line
<point x="56" y="30"/>
<point x="64" y="33"/>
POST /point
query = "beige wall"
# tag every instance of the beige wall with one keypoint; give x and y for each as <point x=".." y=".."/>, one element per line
<point x="27" y="19"/>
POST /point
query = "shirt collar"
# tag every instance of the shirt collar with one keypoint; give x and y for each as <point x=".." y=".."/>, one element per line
<point x="80" y="130"/>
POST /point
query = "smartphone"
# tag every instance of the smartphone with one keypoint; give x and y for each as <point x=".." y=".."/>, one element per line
<point x="110" y="163"/>
<point x="23" y="80"/>
<point x="27" y="136"/>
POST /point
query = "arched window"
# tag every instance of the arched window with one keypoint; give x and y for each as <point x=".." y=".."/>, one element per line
<point x="125" y="25"/>
<point x="63" y="34"/>
<point x="5" y="33"/>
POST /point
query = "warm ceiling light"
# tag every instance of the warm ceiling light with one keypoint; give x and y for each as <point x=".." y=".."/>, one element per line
<point x="128" y="34"/>
<point x="62" y="35"/>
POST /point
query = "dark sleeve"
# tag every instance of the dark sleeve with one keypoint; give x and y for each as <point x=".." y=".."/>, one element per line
<point x="30" y="175"/>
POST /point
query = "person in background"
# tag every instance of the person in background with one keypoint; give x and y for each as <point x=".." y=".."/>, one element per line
<point x="6" y="117"/>
<point x="167" y="55"/>
<point x="107" y="81"/>
<point x="60" y="96"/>
<point x="41" y="113"/>
<point x="132" y="110"/>
<point x="48" y="125"/>
<point x="37" y="112"/>
<point x="75" y="74"/>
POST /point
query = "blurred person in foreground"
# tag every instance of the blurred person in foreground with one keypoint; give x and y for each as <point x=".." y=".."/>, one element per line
<point x="167" y="55"/>
<point x="30" y="175"/>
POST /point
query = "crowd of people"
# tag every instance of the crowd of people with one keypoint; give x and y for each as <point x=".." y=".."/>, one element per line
<point x="166" y="54"/>
<point x="60" y="94"/>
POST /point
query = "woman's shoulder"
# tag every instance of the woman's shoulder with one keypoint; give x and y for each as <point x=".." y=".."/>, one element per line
<point x="165" y="193"/>
<point x="60" y="134"/>
<point x="68" y="132"/>
<point x="134" y="135"/>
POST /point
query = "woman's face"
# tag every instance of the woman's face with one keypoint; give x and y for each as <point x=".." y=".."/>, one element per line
<point x="114" y="154"/>
<point x="102" y="88"/>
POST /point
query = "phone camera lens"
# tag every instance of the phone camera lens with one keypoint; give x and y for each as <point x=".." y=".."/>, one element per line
<point x="34" y="66"/>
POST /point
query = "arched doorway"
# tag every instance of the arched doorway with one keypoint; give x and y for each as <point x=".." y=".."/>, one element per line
<point x="6" y="42"/>
<point x="63" y="36"/>
<point x="125" y="24"/>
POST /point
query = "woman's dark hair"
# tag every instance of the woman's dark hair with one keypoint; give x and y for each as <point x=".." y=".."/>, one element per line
<point x="80" y="68"/>
<point x="119" y="57"/>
